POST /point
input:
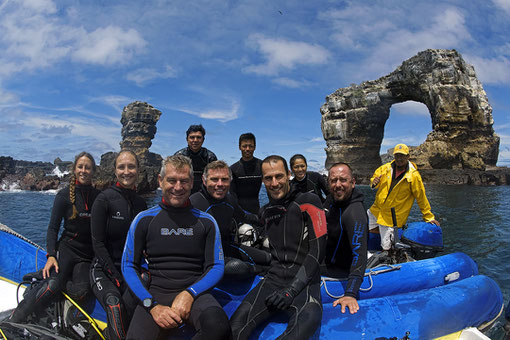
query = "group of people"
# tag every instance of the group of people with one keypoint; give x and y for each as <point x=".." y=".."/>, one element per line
<point x="153" y="269"/>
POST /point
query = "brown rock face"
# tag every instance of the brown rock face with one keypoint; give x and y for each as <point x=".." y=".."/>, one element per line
<point x="138" y="129"/>
<point x="462" y="136"/>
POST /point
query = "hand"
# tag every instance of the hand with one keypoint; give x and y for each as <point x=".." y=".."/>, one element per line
<point x="182" y="304"/>
<point x="50" y="263"/>
<point x="165" y="317"/>
<point x="347" y="301"/>
<point x="376" y="181"/>
<point x="281" y="299"/>
<point x="434" y="222"/>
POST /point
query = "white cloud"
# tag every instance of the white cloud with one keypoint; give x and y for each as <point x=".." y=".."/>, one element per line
<point x="7" y="98"/>
<point x="411" y="108"/>
<point x="143" y="76"/>
<point x="281" y="54"/>
<point x="116" y="102"/>
<point x="222" y="115"/>
<point x="503" y="4"/>
<point x="109" y="45"/>
<point x="317" y="139"/>
<point x="491" y="70"/>
<point x="292" y="83"/>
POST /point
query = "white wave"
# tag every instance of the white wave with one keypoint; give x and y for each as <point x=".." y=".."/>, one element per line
<point x="57" y="172"/>
<point x="10" y="186"/>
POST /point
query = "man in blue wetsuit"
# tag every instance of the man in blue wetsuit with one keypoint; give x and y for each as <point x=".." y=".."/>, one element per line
<point x="200" y="156"/>
<point x="182" y="246"/>
<point x="296" y="228"/>
<point x="346" y="248"/>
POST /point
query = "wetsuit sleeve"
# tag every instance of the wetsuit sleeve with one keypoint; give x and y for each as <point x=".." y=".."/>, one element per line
<point x="419" y="194"/>
<point x="58" y="212"/>
<point x="133" y="255"/>
<point x="212" y="157"/>
<point x="242" y="215"/>
<point x="214" y="264"/>
<point x="317" y="228"/>
<point x="99" y="226"/>
<point x="355" y="223"/>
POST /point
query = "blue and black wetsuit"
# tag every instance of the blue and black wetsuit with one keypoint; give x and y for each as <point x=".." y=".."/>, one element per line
<point x="112" y="213"/>
<point x="199" y="160"/>
<point x="346" y="248"/>
<point x="246" y="183"/>
<point x="183" y="249"/>
<point x="73" y="252"/>
<point x="228" y="214"/>
<point x="313" y="182"/>
<point x="296" y="227"/>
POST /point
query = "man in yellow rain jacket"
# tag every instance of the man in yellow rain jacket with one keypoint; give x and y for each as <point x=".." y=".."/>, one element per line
<point x="398" y="184"/>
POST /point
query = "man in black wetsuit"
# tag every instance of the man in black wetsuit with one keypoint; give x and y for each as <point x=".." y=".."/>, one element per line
<point x="247" y="175"/>
<point x="200" y="156"/>
<point x="346" y="248"/>
<point x="214" y="198"/>
<point x="182" y="246"/>
<point x="296" y="227"/>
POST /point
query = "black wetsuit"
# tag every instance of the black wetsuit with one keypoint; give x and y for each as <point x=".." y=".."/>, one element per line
<point x="199" y="160"/>
<point x="346" y="249"/>
<point x="246" y="183"/>
<point x="183" y="250"/>
<point x="228" y="214"/>
<point x="296" y="227"/>
<point x="313" y="182"/>
<point x="112" y="213"/>
<point x="73" y="252"/>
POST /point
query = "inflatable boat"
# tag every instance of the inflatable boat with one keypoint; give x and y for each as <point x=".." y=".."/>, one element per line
<point x="425" y="299"/>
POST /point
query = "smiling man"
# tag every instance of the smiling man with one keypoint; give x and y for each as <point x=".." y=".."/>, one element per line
<point x="296" y="227"/>
<point x="346" y="248"/>
<point x="200" y="156"/>
<point x="183" y="249"/>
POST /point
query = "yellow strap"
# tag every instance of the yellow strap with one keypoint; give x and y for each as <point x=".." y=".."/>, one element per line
<point x="3" y="335"/>
<point x="92" y="321"/>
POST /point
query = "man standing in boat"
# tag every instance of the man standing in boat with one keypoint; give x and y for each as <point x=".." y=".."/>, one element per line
<point x="247" y="175"/>
<point x="200" y="156"/>
<point x="398" y="185"/>
<point x="182" y="246"/>
<point x="296" y="228"/>
<point x="346" y="248"/>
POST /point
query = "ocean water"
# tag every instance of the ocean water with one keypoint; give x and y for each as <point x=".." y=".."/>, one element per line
<point x="475" y="220"/>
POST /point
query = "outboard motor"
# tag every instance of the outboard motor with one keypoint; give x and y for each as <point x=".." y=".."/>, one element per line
<point x="425" y="239"/>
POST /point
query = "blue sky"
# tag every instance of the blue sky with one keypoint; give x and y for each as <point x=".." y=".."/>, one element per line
<point x="69" y="67"/>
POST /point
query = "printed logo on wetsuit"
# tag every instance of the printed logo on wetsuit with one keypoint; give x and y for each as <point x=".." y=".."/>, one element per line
<point x="117" y="216"/>
<point x="84" y="214"/>
<point x="177" y="231"/>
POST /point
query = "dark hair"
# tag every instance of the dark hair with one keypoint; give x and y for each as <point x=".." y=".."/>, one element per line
<point x="247" y="136"/>
<point x="297" y="156"/>
<point x="72" y="181"/>
<point x="341" y="163"/>
<point x="131" y="152"/>
<point x="195" y="128"/>
<point x="276" y="158"/>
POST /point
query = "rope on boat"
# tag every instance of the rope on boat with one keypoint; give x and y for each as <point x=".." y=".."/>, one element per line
<point x="372" y="271"/>
<point x="8" y="230"/>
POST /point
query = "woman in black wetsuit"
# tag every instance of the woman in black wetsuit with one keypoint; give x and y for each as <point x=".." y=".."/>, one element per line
<point x="307" y="181"/>
<point x="112" y="214"/>
<point x="68" y="264"/>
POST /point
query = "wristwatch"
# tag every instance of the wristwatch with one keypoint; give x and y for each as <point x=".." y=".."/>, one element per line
<point x="149" y="303"/>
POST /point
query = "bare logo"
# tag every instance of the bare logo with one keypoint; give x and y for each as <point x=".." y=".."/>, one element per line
<point x="177" y="231"/>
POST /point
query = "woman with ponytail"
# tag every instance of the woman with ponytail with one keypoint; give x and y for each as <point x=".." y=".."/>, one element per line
<point x="69" y="258"/>
<point x="112" y="214"/>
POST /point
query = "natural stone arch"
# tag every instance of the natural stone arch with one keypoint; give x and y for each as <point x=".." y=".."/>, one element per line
<point x="462" y="136"/>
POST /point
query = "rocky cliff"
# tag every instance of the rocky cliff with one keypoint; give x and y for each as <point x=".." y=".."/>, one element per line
<point x="462" y="136"/>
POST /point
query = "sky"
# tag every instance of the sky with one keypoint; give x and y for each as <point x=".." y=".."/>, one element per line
<point x="67" y="69"/>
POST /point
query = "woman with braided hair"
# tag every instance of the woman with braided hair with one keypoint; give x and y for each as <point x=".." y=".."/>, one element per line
<point x="112" y="214"/>
<point x="70" y="257"/>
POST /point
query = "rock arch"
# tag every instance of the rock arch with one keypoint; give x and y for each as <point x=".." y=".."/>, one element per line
<point x="462" y="136"/>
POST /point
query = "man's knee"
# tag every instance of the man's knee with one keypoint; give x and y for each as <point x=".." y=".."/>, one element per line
<point x="116" y="316"/>
<point x="214" y="324"/>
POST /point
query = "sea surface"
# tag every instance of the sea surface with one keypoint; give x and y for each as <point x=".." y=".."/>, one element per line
<point x="474" y="219"/>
